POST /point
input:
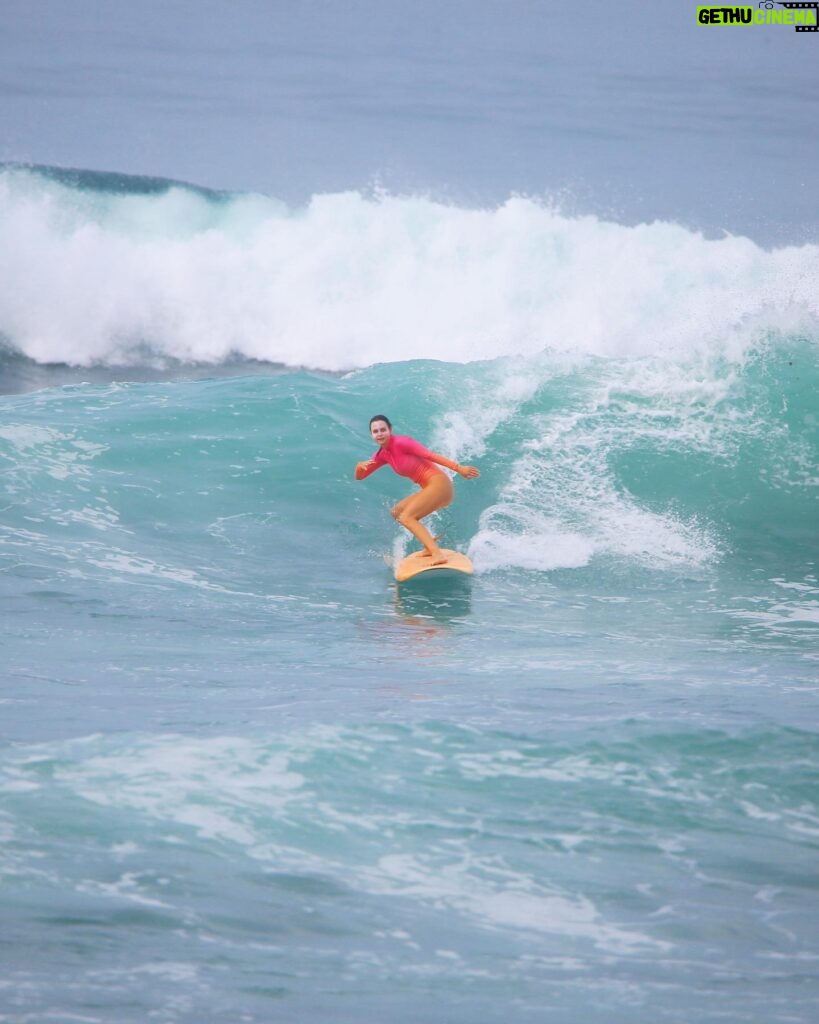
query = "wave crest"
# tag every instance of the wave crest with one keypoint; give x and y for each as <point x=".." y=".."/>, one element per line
<point x="92" y="274"/>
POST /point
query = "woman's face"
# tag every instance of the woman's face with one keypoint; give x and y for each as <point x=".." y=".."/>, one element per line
<point x="380" y="432"/>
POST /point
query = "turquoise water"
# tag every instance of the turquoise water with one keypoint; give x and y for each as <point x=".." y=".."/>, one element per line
<point x="244" y="777"/>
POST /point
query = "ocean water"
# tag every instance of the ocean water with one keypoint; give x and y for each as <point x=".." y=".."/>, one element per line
<point x="244" y="776"/>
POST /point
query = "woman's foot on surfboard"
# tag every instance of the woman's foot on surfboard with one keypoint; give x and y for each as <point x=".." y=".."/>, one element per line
<point x="437" y="556"/>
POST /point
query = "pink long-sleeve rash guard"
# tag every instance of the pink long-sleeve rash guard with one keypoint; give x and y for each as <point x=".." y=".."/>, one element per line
<point x="407" y="457"/>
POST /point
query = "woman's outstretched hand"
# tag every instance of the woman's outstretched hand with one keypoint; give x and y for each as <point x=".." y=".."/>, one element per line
<point x="469" y="472"/>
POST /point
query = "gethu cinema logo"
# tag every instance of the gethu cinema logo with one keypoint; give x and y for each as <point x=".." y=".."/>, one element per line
<point x="803" y="16"/>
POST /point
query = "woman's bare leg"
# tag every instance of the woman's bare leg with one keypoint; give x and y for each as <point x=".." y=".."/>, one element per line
<point x="437" y="493"/>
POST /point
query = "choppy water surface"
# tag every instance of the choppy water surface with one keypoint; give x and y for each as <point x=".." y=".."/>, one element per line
<point x="243" y="776"/>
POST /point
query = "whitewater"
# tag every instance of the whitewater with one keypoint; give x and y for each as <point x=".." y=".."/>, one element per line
<point x="102" y="269"/>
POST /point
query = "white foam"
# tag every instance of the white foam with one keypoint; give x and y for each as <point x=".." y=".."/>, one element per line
<point x="561" y="503"/>
<point x="541" y="548"/>
<point x="59" y="455"/>
<point x="128" y="887"/>
<point x="541" y="524"/>
<point x="174" y="779"/>
<point x="503" y="899"/>
<point x="757" y="813"/>
<point x="173" y="971"/>
<point x="352" y="280"/>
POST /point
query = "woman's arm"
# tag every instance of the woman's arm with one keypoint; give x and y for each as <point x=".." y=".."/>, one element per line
<point x="363" y="469"/>
<point x="468" y="472"/>
<point x="416" y="448"/>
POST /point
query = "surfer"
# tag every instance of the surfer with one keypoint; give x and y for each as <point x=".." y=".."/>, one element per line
<point x="411" y="459"/>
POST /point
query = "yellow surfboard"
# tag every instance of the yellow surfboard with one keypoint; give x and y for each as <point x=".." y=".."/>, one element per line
<point x="418" y="562"/>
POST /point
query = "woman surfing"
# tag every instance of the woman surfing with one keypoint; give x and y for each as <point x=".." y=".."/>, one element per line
<point x="409" y="458"/>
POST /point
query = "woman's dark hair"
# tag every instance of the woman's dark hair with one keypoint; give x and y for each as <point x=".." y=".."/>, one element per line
<point x="380" y="417"/>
